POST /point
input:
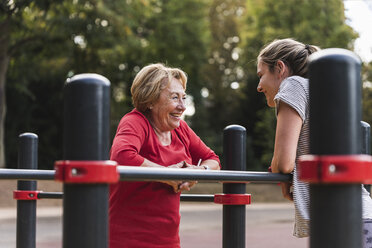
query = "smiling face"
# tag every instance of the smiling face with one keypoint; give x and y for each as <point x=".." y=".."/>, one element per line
<point x="166" y="113"/>
<point x="269" y="82"/>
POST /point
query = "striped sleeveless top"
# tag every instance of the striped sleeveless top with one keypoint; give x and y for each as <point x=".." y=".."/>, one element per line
<point x="294" y="91"/>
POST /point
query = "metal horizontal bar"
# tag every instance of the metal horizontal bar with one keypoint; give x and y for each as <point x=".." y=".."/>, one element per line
<point x="24" y="174"/>
<point x="184" y="197"/>
<point x="50" y="195"/>
<point x="132" y="173"/>
<point x="197" y="198"/>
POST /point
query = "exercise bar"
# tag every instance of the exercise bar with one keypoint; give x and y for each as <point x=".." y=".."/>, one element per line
<point x="129" y="173"/>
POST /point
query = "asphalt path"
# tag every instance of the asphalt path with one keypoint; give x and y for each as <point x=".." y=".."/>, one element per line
<point x="267" y="225"/>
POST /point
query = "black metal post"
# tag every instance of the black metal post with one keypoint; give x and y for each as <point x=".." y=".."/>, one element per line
<point x="366" y="144"/>
<point x="335" y="115"/>
<point x="26" y="209"/>
<point x="86" y="137"/>
<point x="234" y="143"/>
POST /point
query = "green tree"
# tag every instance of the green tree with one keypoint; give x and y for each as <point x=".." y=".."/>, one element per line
<point x="47" y="42"/>
<point x="320" y="23"/>
<point x="215" y="41"/>
<point x="112" y="38"/>
<point x="367" y="93"/>
<point x="221" y="74"/>
<point x="21" y="23"/>
<point x="171" y="32"/>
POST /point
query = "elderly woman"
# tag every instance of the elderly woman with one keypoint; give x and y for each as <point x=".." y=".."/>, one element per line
<point x="146" y="214"/>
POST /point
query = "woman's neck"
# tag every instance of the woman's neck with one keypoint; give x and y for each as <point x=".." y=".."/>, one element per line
<point x="164" y="137"/>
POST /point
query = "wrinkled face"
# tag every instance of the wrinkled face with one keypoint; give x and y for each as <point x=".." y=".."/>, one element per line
<point x="269" y="82"/>
<point x="166" y="112"/>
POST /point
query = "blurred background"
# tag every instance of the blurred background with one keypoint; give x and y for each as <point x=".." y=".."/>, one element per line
<point x="215" y="42"/>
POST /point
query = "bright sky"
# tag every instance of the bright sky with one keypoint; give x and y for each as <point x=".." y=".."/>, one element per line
<point x="359" y="15"/>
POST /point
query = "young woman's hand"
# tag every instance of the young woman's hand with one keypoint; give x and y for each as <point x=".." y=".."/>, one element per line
<point x="287" y="190"/>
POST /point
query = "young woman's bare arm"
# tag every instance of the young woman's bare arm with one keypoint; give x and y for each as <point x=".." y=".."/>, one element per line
<point x="288" y="129"/>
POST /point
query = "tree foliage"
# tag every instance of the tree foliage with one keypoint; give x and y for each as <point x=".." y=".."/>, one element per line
<point x="221" y="74"/>
<point x="367" y="93"/>
<point x="215" y="41"/>
<point x="321" y="23"/>
<point x="112" y="38"/>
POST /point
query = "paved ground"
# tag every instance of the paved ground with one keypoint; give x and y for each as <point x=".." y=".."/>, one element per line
<point x="267" y="225"/>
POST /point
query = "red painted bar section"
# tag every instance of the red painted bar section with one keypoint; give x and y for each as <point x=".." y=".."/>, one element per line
<point x="336" y="169"/>
<point x="68" y="171"/>
<point x="25" y="195"/>
<point x="232" y="199"/>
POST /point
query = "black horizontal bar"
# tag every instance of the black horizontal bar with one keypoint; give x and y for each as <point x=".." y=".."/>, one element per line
<point x="133" y="173"/>
<point x="50" y="195"/>
<point x="184" y="197"/>
<point x="24" y="174"/>
<point x="197" y="198"/>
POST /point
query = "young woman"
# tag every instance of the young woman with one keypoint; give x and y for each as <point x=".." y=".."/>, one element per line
<point x="282" y="69"/>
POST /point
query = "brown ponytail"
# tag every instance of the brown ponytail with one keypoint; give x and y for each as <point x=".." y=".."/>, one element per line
<point x="293" y="53"/>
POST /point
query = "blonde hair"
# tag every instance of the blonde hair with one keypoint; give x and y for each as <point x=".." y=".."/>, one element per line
<point x="293" y="53"/>
<point x="150" y="81"/>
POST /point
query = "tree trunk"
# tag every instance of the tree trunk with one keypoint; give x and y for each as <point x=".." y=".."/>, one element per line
<point x="4" y="62"/>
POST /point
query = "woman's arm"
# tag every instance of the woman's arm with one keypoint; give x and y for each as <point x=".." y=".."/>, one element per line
<point x="208" y="164"/>
<point x="198" y="150"/>
<point x="288" y="129"/>
<point x="148" y="163"/>
<point x="177" y="186"/>
<point x="211" y="164"/>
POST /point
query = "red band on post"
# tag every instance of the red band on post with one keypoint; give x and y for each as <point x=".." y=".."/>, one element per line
<point x="232" y="199"/>
<point x="26" y="195"/>
<point x="336" y="169"/>
<point x="86" y="171"/>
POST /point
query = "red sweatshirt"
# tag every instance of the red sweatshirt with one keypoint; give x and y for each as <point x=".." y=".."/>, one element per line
<point x="146" y="214"/>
